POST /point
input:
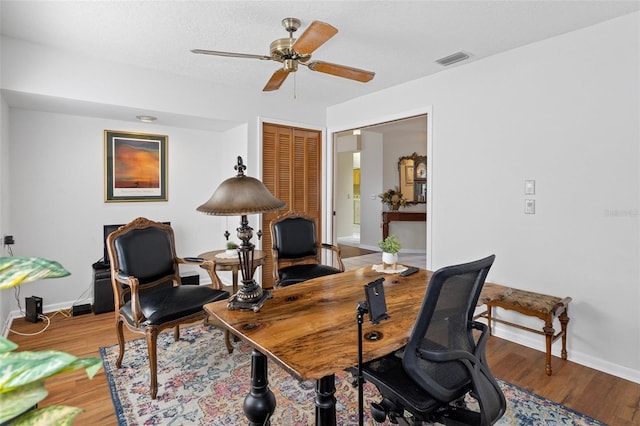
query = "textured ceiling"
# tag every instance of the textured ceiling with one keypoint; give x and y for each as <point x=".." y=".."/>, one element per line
<point x="398" y="40"/>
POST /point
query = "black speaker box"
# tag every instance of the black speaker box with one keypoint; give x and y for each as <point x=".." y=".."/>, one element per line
<point x="102" y="291"/>
<point x="34" y="308"/>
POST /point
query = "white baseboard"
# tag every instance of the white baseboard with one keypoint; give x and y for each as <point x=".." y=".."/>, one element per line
<point x="538" y="343"/>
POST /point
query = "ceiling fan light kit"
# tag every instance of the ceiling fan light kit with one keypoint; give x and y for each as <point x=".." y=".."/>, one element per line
<point x="293" y="52"/>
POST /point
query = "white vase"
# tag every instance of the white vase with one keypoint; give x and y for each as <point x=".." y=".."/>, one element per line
<point x="389" y="260"/>
<point x="231" y="252"/>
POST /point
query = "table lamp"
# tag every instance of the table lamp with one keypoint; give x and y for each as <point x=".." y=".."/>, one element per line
<point x="239" y="196"/>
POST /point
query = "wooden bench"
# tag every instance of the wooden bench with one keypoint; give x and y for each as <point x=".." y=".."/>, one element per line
<point x="542" y="306"/>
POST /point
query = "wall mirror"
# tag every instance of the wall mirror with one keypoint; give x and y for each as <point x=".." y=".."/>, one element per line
<point x="413" y="177"/>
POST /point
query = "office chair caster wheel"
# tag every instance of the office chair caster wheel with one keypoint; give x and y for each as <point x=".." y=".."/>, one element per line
<point x="378" y="412"/>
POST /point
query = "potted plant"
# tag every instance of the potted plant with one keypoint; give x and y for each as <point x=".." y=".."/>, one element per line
<point x="393" y="198"/>
<point x="232" y="249"/>
<point x="390" y="247"/>
<point x="23" y="372"/>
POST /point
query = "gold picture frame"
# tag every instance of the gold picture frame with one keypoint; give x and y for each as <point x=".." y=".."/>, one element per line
<point x="135" y="166"/>
<point x="408" y="171"/>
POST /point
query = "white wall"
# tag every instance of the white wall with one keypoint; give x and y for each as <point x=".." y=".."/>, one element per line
<point x="565" y="113"/>
<point x="371" y="157"/>
<point x="57" y="195"/>
<point x="5" y="296"/>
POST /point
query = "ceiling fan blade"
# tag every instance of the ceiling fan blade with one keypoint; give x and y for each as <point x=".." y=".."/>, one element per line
<point x="276" y="80"/>
<point x="231" y="54"/>
<point x="341" y="71"/>
<point x="314" y="36"/>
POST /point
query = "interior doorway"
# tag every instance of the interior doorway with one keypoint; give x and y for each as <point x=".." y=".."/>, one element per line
<point x="366" y="164"/>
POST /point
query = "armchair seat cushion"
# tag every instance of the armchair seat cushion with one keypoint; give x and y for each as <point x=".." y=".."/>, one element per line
<point x="168" y="304"/>
<point x="298" y="273"/>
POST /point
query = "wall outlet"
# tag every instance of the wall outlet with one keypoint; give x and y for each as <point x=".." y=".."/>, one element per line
<point x="530" y="206"/>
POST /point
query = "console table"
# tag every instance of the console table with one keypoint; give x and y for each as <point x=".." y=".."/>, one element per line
<point x="396" y="216"/>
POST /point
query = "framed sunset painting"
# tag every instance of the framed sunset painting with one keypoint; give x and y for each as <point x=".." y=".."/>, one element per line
<point x="135" y="166"/>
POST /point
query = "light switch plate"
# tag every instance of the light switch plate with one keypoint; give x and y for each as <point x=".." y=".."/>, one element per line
<point x="530" y="206"/>
<point x="529" y="187"/>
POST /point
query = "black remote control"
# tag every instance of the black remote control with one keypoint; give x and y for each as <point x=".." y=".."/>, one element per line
<point x="409" y="271"/>
<point x="194" y="259"/>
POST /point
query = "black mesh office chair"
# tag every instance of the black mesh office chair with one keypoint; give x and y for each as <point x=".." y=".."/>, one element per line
<point x="147" y="291"/>
<point x="296" y="251"/>
<point x="443" y="361"/>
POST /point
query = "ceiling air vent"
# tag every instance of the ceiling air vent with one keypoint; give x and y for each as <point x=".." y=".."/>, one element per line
<point x="452" y="59"/>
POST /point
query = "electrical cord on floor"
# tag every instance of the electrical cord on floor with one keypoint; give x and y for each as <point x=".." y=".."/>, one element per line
<point x="64" y="312"/>
<point x="42" y="317"/>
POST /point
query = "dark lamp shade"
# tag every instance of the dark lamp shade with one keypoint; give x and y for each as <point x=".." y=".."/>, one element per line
<point x="241" y="195"/>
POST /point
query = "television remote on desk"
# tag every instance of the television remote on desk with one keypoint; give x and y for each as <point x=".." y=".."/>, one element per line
<point x="409" y="271"/>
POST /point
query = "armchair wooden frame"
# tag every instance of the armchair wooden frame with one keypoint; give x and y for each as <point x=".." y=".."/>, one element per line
<point x="312" y="259"/>
<point x="129" y="288"/>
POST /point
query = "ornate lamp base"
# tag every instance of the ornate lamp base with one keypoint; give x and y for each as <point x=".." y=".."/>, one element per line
<point x="240" y="301"/>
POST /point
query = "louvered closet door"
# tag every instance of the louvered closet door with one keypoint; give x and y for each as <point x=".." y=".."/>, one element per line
<point x="291" y="170"/>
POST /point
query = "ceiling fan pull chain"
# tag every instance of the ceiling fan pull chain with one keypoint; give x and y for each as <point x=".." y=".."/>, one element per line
<point x="295" y="95"/>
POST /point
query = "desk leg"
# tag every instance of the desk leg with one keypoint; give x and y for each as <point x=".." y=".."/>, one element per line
<point x="261" y="402"/>
<point x="326" y="401"/>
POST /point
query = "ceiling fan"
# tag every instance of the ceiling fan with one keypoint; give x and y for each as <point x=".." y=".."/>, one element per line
<point x="293" y="52"/>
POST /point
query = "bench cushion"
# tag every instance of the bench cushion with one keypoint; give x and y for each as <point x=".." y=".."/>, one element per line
<point x="528" y="300"/>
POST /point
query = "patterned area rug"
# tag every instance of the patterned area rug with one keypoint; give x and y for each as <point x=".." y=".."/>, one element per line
<point x="200" y="383"/>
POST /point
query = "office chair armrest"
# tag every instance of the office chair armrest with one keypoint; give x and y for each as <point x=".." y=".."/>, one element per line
<point x="481" y="342"/>
<point x="335" y="249"/>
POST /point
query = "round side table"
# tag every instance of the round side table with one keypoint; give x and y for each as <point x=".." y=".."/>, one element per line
<point x="228" y="264"/>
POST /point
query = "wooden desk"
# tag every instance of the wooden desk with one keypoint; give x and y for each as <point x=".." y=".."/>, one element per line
<point x="228" y="264"/>
<point x="310" y="330"/>
<point x="396" y="216"/>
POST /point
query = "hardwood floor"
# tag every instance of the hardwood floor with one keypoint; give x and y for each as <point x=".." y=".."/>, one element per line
<point x="347" y="251"/>
<point x="607" y="398"/>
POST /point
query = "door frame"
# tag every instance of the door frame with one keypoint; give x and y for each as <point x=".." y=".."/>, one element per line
<point x="329" y="226"/>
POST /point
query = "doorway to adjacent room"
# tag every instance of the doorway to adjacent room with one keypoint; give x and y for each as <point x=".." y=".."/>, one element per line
<point x="366" y="163"/>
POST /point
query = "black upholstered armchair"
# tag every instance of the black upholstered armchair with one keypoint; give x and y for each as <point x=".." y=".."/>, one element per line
<point x="444" y="360"/>
<point x="297" y="254"/>
<point x="146" y="286"/>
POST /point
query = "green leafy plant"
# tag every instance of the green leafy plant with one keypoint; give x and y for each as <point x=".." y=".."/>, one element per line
<point x="22" y="373"/>
<point x="231" y="245"/>
<point x="391" y="244"/>
<point x="20" y="270"/>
